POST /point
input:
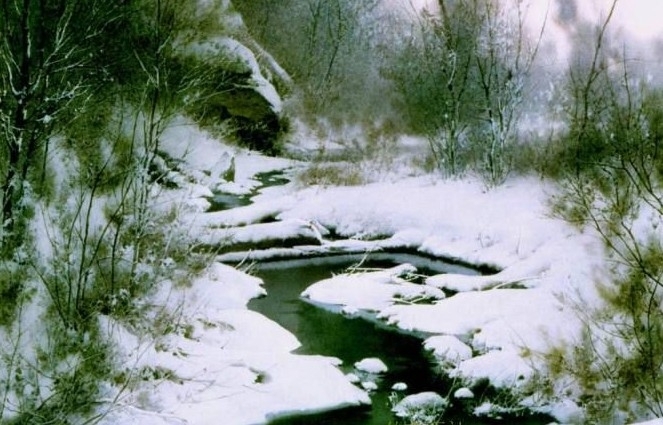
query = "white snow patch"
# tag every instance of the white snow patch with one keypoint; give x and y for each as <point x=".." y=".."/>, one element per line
<point x="221" y="360"/>
<point x="567" y="412"/>
<point x="353" y="378"/>
<point x="256" y="233"/>
<point x="505" y="369"/>
<point x="399" y="386"/>
<point x="463" y="393"/>
<point x="658" y="421"/>
<point x="448" y="349"/>
<point x="370" y="291"/>
<point x="371" y="365"/>
<point x="426" y="403"/>
<point x="129" y="415"/>
<point x="204" y="159"/>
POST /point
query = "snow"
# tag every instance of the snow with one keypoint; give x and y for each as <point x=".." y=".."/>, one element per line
<point x="203" y="159"/>
<point x="652" y="422"/>
<point x="506" y="369"/>
<point x="371" y="365"/>
<point x="299" y="230"/>
<point x="566" y="412"/>
<point x="463" y="393"/>
<point x="233" y="50"/>
<point x="448" y="349"/>
<point x="128" y="415"/>
<point x="399" y="386"/>
<point x="222" y="287"/>
<point x="369" y="385"/>
<point x="353" y="378"/>
<point x="370" y="291"/>
<point x="425" y="403"/>
<point x="225" y="361"/>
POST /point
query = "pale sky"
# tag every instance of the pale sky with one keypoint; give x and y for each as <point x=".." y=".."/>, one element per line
<point x="635" y="20"/>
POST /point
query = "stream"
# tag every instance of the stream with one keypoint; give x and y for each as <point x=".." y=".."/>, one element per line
<point x="323" y="332"/>
<point x="352" y="339"/>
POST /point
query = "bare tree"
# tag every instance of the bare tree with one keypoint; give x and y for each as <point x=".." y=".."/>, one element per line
<point x="504" y="59"/>
<point x="45" y="67"/>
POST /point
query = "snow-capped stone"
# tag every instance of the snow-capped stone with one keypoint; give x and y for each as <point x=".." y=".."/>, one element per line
<point x="463" y="393"/>
<point x="416" y="404"/>
<point x="399" y="386"/>
<point x="371" y="365"/>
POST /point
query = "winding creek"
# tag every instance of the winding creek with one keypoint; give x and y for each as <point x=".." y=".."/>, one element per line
<point x="352" y="339"/>
<point x="324" y="332"/>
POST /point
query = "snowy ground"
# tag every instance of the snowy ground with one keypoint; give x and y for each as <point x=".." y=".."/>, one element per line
<point x="228" y="362"/>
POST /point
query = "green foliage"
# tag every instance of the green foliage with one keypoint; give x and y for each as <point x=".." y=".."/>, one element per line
<point x="613" y="186"/>
<point x="59" y="381"/>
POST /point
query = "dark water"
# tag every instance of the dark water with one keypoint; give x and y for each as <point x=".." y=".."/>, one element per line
<point x="326" y="333"/>
<point x="225" y="201"/>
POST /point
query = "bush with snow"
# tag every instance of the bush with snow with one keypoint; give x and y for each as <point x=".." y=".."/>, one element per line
<point x="423" y="408"/>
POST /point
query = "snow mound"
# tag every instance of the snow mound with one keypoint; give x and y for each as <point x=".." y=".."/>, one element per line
<point x="371" y="365"/>
<point x="463" y="393"/>
<point x="399" y="386"/>
<point x="220" y="360"/>
<point x="448" y="349"/>
<point x="423" y="407"/>
<point x="504" y="369"/>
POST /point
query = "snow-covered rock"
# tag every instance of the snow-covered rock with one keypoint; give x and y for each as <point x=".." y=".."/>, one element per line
<point x="371" y="365"/>
<point x="420" y="406"/>
<point x="463" y="393"/>
<point x="504" y="369"/>
<point x="399" y="386"/>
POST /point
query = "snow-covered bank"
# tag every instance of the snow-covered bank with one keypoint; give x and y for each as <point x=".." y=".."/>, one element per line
<point x="214" y="359"/>
<point x="198" y="356"/>
<point x="506" y="320"/>
<point x="493" y="327"/>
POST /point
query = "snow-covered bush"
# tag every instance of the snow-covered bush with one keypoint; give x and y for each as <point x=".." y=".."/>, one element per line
<point x="80" y="236"/>
<point x="424" y="408"/>
<point x="614" y="189"/>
